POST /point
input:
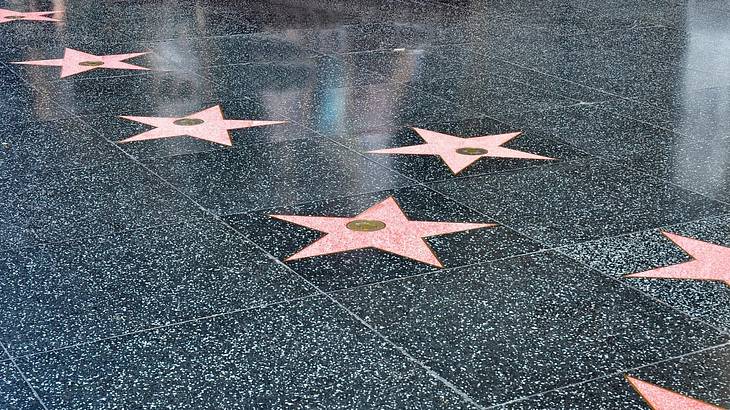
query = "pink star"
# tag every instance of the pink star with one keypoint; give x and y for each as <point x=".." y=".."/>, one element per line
<point x="9" y="15"/>
<point x="660" y="398"/>
<point x="74" y="62"/>
<point x="459" y="153"/>
<point x="709" y="262"/>
<point x="208" y="125"/>
<point x="383" y="226"/>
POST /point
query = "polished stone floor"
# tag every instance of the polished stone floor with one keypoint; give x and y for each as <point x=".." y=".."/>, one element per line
<point x="478" y="204"/>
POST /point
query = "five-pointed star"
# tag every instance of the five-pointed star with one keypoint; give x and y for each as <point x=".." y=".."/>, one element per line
<point x="383" y="226"/>
<point x="660" y="398"/>
<point x="709" y="262"/>
<point x="9" y="15"/>
<point x="74" y="62"/>
<point x="208" y="125"/>
<point x="459" y="153"/>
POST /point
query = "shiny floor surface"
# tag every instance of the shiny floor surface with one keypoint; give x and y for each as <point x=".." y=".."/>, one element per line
<point x="365" y="204"/>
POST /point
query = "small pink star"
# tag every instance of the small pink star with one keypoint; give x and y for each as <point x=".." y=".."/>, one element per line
<point x="709" y="262"/>
<point x="383" y="226"/>
<point x="74" y="62"/>
<point x="459" y="153"/>
<point x="660" y="398"/>
<point x="208" y="125"/>
<point x="9" y="15"/>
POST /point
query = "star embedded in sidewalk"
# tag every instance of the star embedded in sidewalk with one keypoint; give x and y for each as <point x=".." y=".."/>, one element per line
<point x="383" y="226"/>
<point x="660" y="398"/>
<point x="75" y="62"/>
<point x="709" y="262"/>
<point x="208" y="125"/>
<point x="9" y="15"/>
<point x="459" y="153"/>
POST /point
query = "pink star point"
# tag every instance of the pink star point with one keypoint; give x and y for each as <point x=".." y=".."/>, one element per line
<point x="207" y="125"/>
<point x="660" y="398"/>
<point x="75" y="62"/>
<point x="389" y="230"/>
<point x="709" y="262"/>
<point x="10" y="15"/>
<point x="459" y="153"/>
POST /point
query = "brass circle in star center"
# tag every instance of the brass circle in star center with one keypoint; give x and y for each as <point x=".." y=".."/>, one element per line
<point x="188" y="121"/>
<point x="365" y="225"/>
<point x="471" y="151"/>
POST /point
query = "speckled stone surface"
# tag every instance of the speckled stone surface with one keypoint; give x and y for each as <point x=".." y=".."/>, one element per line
<point x="179" y="272"/>
<point x="334" y="111"/>
<point x="641" y="251"/>
<point x="149" y="94"/>
<point x="299" y="354"/>
<point x="252" y="79"/>
<point x="50" y="206"/>
<point x="150" y="274"/>
<point x="14" y="391"/>
<point x="567" y="324"/>
<point x="52" y="145"/>
<point x="358" y="267"/>
<point x="433" y="168"/>
<point x="703" y="376"/>
<point x="579" y="201"/>
<point x="266" y="175"/>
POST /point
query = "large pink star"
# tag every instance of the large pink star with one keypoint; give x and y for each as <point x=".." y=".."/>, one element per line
<point x="458" y="153"/>
<point x="208" y="125"/>
<point x="383" y="226"/>
<point x="9" y="15"/>
<point x="660" y="398"/>
<point x="74" y="62"/>
<point x="709" y="262"/>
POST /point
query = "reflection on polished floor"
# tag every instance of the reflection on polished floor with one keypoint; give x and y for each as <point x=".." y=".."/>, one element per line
<point x="485" y="204"/>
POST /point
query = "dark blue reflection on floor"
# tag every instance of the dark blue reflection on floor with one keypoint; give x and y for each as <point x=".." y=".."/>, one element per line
<point x="151" y="274"/>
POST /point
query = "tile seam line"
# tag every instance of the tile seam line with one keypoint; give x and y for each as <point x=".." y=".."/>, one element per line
<point x="621" y="283"/>
<point x="630" y="285"/>
<point x="110" y="234"/>
<point x="311" y="295"/>
<point x="464" y="396"/>
<point x="555" y="249"/>
<point x="22" y="374"/>
<point x="609" y="375"/>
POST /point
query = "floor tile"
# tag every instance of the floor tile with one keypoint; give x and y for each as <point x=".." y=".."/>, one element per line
<point x="642" y="251"/>
<point x="701" y="113"/>
<point x="190" y="54"/>
<point x="50" y="206"/>
<point x="82" y="290"/>
<point x="357" y="267"/>
<point x="298" y="354"/>
<point x="22" y="103"/>
<point x="434" y="168"/>
<point x="579" y="201"/>
<point x="52" y="145"/>
<point x="495" y="96"/>
<point x="14" y="391"/>
<point x="701" y="376"/>
<point x="568" y="324"/>
<point x="267" y="175"/>
<point x="139" y="94"/>
<point x="312" y="75"/>
<point x="347" y="110"/>
<point x="115" y="128"/>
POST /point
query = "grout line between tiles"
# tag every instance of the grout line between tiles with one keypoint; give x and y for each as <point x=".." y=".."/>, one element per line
<point x="165" y="326"/>
<point x="464" y="396"/>
<point x="25" y="379"/>
<point x="609" y="375"/>
<point x="621" y="283"/>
